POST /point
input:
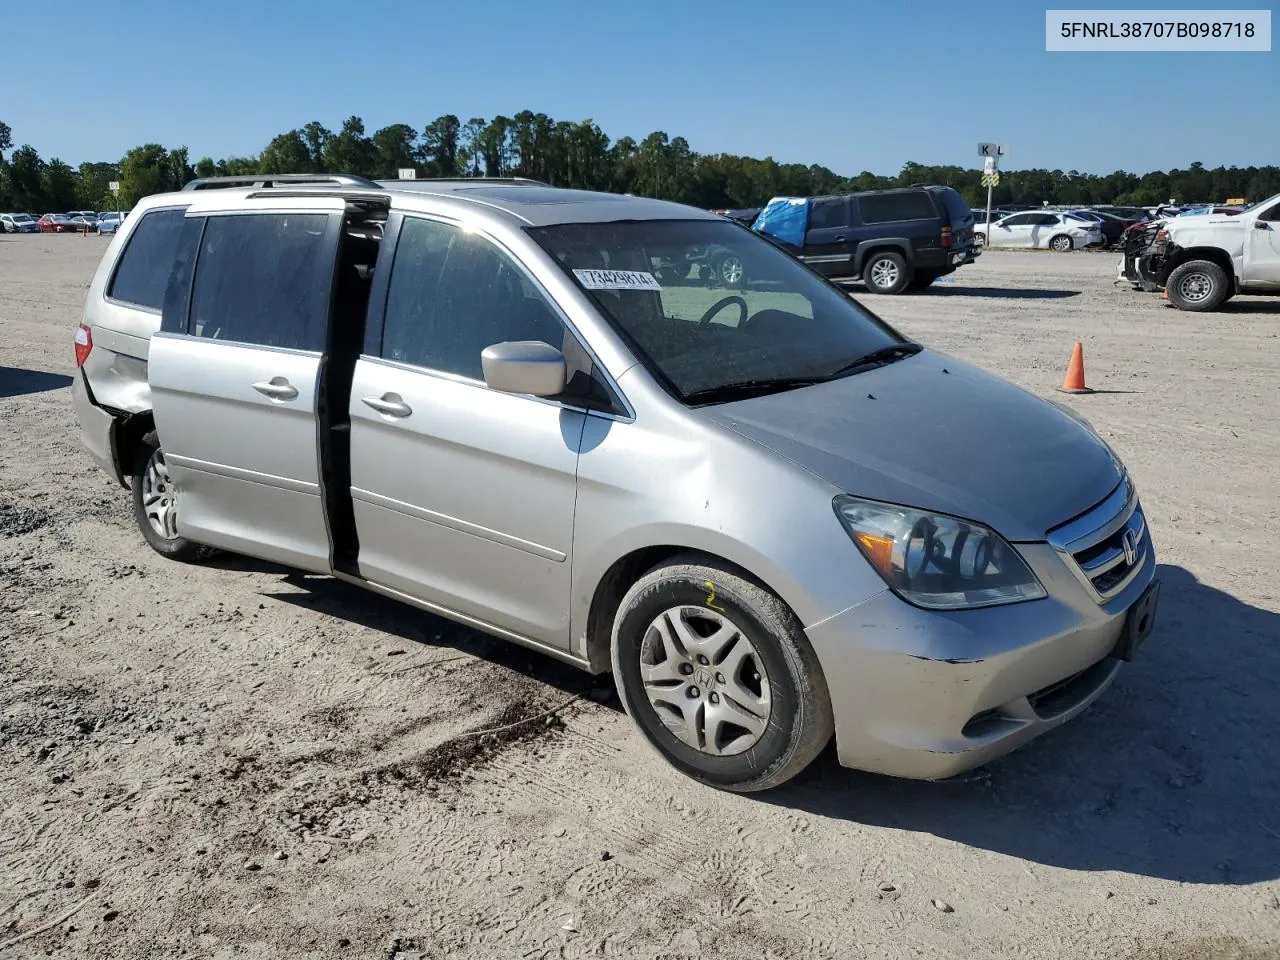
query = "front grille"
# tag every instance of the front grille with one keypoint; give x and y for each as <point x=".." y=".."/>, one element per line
<point x="1107" y="545"/>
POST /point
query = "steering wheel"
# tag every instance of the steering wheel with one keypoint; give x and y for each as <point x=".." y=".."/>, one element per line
<point x="721" y="304"/>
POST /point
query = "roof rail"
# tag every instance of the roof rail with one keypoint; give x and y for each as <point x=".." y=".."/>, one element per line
<point x="271" y="179"/>
<point x="523" y="181"/>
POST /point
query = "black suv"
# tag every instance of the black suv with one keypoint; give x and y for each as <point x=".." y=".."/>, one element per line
<point x="889" y="239"/>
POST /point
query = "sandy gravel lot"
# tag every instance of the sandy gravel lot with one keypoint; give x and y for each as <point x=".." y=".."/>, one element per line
<point x="231" y="760"/>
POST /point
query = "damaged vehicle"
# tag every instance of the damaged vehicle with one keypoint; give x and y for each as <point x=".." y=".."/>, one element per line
<point x="771" y="516"/>
<point x="1203" y="261"/>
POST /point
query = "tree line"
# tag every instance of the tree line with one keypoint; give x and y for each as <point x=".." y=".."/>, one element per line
<point x="575" y="154"/>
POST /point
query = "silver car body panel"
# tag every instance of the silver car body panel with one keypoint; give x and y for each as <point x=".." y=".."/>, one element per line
<point x="506" y="512"/>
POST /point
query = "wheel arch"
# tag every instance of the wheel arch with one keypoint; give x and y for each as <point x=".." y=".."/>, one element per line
<point x="869" y="248"/>
<point x="1213" y="254"/>
<point x="622" y="574"/>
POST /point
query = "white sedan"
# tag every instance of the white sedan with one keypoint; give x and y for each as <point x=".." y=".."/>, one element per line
<point x="1040" y="228"/>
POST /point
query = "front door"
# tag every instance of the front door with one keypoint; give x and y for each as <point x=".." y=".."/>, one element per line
<point x="463" y="496"/>
<point x="827" y="247"/>
<point x="1262" y="249"/>
<point x="233" y="376"/>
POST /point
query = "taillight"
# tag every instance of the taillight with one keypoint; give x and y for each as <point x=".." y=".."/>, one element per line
<point x="946" y="236"/>
<point x="84" y="343"/>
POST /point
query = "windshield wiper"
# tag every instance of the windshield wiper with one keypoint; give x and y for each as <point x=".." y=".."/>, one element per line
<point x="877" y="358"/>
<point x="742" y="389"/>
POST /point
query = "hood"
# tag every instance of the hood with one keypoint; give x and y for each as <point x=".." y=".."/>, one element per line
<point x="935" y="433"/>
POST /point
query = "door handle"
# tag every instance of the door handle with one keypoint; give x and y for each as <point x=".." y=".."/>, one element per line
<point x="277" y="388"/>
<point x="389" y="404"/>
<point x="841" y="239"/>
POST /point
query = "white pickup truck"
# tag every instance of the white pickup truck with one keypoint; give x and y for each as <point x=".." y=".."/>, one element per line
<point x="1203" y="261"/>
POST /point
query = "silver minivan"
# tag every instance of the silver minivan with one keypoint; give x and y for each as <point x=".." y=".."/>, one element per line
<point x="771" y="516"/>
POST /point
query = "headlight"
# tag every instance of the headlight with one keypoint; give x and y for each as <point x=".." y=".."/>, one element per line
<point x="937" y="561"/>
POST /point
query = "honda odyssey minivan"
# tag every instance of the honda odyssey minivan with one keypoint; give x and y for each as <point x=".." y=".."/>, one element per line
<point x="769" y="514"/>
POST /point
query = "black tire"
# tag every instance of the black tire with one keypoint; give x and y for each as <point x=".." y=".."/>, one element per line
<point x="886" y="272"/>
<point x="799" y="722"/>
<point x="730" y="271"/>
<point x="1061" y="243"/>
<point x="1198" y="286"/>
<point x="922" y="280"/>
<point x="174" y="547"/>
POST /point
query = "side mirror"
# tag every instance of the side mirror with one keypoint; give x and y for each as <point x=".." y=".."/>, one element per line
<point x="1261" y="225"/>
<point x="524" y="366"/>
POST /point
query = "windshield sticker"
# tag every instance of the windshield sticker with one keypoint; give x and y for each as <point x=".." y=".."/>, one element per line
<point x="617" y="280"/>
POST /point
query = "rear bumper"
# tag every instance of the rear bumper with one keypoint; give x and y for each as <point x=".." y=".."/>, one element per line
<point x="926" y="695"/>
<point x="97" y="428"/>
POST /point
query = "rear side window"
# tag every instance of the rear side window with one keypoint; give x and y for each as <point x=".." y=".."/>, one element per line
<point x="1047" y="219"/>
<point x="264" y="279"/>
<point x="177" y="295"/>
<point x="143" y="271"/>
<point x="829" y="212"/>
<point x="452" y="294"/>
<point x="891" y="207"/>
<point x="958" y="212"/>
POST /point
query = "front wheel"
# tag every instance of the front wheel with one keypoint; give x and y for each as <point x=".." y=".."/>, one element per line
<point x="886" y="272"/>
<point x="155" y="504"/>
<point x="729" y="270"/>
<point x="1061" y="243"/>
<point x="718" y="675"/>
<point x="1198" y="286"/>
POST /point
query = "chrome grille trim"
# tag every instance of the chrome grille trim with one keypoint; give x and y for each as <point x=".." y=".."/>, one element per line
<point x="1109" y="520"/>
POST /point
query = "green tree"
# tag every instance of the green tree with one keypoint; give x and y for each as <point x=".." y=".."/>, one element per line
<point x="93" y="192"/>
<point x="317" y="136"/>
<point x="205" y="167"/>
<point x="440" y="146"/>
<point x="350" y="151"/>
<point x="396" y="148"/>
<point x="58" y="182"/>
<point x="25" y="175"/>
<point x="470" y="147"/>
<point x="286" y="153"/>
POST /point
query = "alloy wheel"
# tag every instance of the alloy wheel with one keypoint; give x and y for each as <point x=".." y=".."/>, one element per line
<point x="884" y="274"/>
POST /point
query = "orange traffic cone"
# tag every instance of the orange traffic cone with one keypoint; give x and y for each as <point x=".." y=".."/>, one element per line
<point x="1074" y="380"/>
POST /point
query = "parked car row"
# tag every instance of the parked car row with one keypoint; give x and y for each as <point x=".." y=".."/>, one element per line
<point x="1042" y="229"/>
<point x="74" y="221"/>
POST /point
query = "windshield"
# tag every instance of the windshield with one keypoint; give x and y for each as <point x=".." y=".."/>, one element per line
<point x="708" y="305"/>
<point x="21" y="218"/>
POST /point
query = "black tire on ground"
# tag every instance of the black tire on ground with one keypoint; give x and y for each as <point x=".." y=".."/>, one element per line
<point x="799" y="721"/>
<point x="1198" y="286"/>
<point x="1061" y="243"/>
<point x="174" y="547"/>
<point x="886" y="272"/>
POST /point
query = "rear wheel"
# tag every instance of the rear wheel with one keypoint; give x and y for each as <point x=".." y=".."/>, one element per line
<point x="717" y="673"/>
<point x="886" y="272"/>
<point x="155" y="504"/>
<point x="1198" y="286"/>
<point x="1061" y="243"/>
<point x="730" y="271"/>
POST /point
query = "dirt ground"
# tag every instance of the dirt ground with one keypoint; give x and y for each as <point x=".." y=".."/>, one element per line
<point x="232" y="760"/>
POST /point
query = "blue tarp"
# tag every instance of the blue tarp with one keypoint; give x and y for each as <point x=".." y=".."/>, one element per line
<point x="785" y="219"/>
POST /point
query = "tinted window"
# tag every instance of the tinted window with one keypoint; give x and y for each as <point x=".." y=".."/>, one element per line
<point x="958" y="211"/>
<point x="889" y="207"/>
<point x="177" y="296"/>
<point x="263" y="279"/>
<point x="1019" y="220"/>
<point x="454" y="293"/>
<point x="1271" y="215"/>
<point x="831" y="212"/>
<point x="1046" y="219"/>
<point x="143" y="271"/>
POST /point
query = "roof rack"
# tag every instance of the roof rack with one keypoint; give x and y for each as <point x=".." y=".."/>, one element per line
<point x="520" y="181"/>
<point x="271" y="179"/>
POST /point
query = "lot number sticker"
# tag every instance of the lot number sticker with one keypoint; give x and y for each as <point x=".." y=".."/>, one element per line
<point x="617" y="280"/>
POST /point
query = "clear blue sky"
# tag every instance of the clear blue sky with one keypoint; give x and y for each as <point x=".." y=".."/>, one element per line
<point x="852" y="85"/>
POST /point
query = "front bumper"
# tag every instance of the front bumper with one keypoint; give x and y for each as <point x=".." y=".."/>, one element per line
<point x="928" y="694"/>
